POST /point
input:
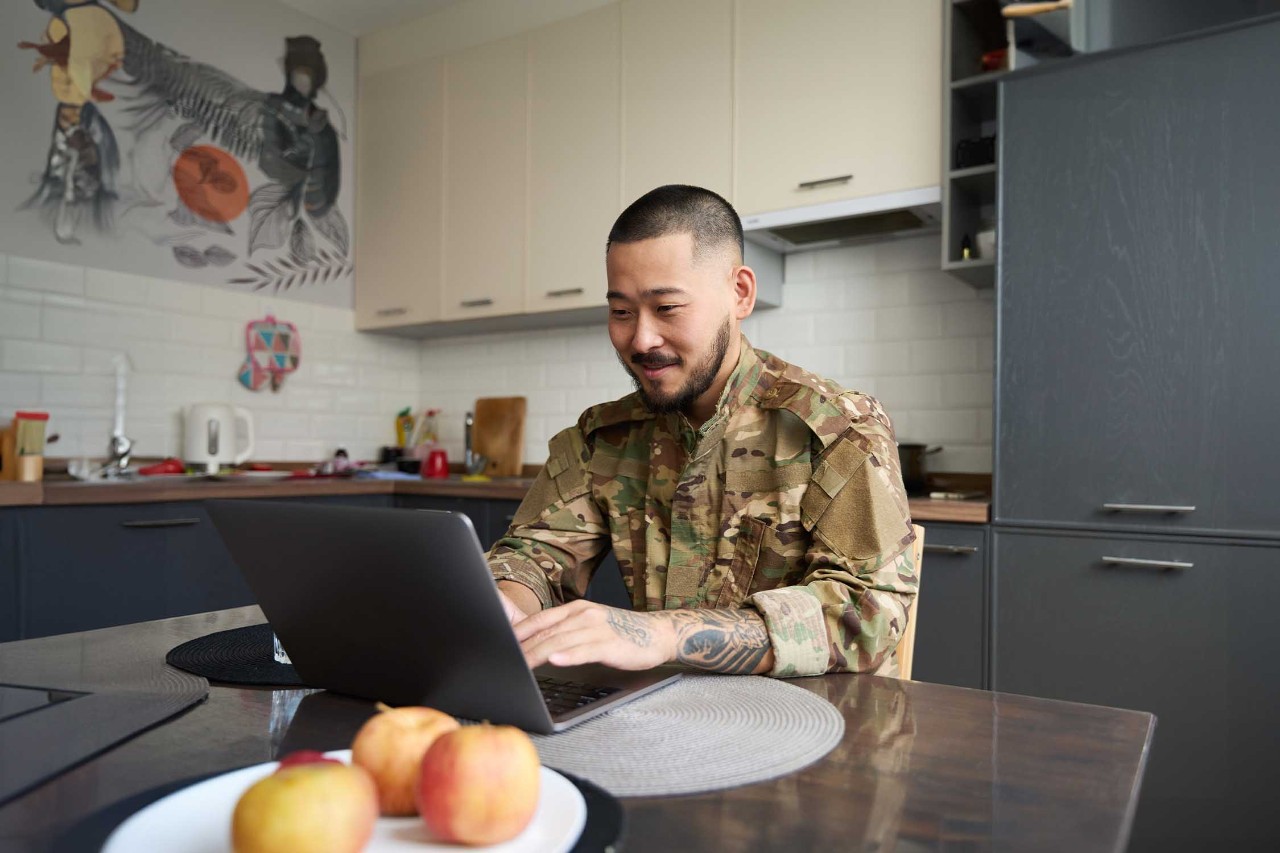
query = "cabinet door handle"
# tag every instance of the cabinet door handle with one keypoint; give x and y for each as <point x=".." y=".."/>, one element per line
<point x="838" y="179"/>
<point x="391" y="312"/>
<point x="950" y="549"/>
<point x="1135" y="563"/>
<point x="476" y="303"/>
<point x="161" y="522"/>
<point x="568" y="291"/>
<point x="1147" y="508"/>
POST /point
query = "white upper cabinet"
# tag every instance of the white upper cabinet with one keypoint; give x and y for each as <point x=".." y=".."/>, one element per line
<point x="573" y="158"/>
<point x="677" y="95"/>
<point x="485" y="130"/>
<point x="399" y="208"/>
<point x="835" y="100"/>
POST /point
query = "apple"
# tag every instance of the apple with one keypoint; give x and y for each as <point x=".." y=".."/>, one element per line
<point x="324" y="807"/>
<point x="390" y="745"/>
<point x="479" y="784"/>
<point x="305" y="756"/>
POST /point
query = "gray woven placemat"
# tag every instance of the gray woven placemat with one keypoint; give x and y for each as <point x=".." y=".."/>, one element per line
<point x="703" y="733"/>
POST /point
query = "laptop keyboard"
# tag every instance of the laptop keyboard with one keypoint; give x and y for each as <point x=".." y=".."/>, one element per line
<point x="563" y="696"/>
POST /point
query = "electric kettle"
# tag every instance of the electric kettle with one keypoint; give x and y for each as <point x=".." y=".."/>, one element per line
<point x="216" y="434"/>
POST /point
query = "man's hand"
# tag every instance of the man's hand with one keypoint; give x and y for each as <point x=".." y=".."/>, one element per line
<point x="729" y="641"/>
<point x="518" y="601"/>
<point x="584" y="632"/>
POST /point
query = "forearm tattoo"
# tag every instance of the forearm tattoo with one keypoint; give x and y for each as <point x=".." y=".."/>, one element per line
<point x="728" y="641"/>
<point x="630" y="627"/>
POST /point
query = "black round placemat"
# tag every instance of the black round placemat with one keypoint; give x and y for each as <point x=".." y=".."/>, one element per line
<point x="237" y="656"/>
<point x="602" y="832"/>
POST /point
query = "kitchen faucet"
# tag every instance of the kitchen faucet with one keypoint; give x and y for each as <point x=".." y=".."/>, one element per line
<point x="121" y="446"/>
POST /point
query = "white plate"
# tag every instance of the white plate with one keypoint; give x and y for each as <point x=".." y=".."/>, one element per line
<point x="197" y="819"/>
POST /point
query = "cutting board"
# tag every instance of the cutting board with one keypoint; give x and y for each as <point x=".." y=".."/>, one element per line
<point x="498" y="433"/>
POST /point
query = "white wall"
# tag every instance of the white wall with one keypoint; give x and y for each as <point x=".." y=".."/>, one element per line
<point x="61" y="325"/>
<point x="880" y="318"/>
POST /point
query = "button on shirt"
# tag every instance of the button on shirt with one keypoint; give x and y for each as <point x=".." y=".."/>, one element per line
<point x="788" y="500"/>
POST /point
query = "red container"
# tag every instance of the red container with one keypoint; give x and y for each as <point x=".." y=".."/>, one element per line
<point x="436" y="465"/>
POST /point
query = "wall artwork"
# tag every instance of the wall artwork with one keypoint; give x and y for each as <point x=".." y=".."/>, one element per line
<point x="228" y="181"/>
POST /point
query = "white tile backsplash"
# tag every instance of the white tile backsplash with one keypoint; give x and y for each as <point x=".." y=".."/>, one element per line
<point x="31" y="274"/>
<point x="62" y="325"/>
<point x="878" y="317"/>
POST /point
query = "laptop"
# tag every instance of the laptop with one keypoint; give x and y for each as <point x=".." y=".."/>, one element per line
<point x="399" y="606"/>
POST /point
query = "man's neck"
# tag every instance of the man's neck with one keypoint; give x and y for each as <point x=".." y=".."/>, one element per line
<point x="704" y="408"/>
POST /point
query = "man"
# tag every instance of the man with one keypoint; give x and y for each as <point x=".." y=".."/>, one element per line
<point x="756" y="510"/>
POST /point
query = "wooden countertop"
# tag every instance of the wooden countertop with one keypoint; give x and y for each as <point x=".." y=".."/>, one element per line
<point x="920" y="766"/>
<point x="21" y="494"/>
<point x="63" y="493"/>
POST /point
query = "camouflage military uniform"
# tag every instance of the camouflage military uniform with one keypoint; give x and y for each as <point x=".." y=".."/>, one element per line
<point x="788" y="500"/>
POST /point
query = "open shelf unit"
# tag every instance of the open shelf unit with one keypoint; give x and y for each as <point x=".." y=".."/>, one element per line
<point x="971" y="113"/>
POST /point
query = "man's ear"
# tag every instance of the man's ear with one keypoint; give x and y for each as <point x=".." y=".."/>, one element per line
<point x="744" y="292"/>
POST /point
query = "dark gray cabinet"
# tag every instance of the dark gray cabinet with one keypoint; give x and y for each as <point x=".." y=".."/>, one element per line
<point x="1096" y="619"/>
<point x="88" y="567"/>
<point x="1137" y="315"/>
<point x="8" y="575"/>
<point x="1138" y="301"/>
<point x="951" y="636"/>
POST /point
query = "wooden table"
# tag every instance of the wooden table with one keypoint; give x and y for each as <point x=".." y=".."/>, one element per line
<point x="921" y="766"/>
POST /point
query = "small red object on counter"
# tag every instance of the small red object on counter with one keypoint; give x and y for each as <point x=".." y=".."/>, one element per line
<point x="169" y="465"/>
<point x="436" y="465"/>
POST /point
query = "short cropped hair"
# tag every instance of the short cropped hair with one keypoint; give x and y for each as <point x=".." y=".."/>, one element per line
<point x="680" y="209"/>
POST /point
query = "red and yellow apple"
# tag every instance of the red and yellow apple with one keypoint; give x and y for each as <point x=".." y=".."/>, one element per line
<point x="479" y="785"/>
<point x="321" y="806"/>
<point x="390" y="745"/>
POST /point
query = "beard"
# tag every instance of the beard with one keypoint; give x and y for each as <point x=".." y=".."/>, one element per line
<point x="694" y="387"/>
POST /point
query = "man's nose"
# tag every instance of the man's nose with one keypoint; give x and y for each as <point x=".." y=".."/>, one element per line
<point x="646" y="337"/>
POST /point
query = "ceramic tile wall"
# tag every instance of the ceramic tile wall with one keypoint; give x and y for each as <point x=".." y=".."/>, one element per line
<point x="62" y="325"/>
<point x="879" y="317"/>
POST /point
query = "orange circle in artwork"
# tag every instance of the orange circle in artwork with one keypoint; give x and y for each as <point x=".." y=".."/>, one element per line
<point x="211" y="182"/>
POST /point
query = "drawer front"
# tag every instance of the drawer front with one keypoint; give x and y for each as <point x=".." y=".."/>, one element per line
<point x="951" y="634"/>
<point x="93" y="567"/>
<point x="1179" y="627"/>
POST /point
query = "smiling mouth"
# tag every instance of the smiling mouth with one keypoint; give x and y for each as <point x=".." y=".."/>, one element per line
<point x="655" y="372"/>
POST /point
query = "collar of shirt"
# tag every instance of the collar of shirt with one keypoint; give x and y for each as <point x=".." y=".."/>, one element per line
<point x="743" y="385"/>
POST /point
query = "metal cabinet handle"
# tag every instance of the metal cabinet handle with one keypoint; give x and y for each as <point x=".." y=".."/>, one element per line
<point x="161" y="522"/>
<point x="950" y="549"/>
<point x="839" y="179"/>
<point x="1146" y="508"/>
<point x="476" y="303"/>
<point x="568" y="291"/>
<point x="391" y="312"/>
<point x="1134" y="562"/>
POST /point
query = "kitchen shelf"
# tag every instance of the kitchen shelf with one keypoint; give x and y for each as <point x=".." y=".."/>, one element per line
<point x="979" y="272"/>
<point x="979" y="181"/>
<point x="987" y="79"/>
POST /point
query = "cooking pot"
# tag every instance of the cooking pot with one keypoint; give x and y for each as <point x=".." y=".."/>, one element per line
<point x="911" y="458"/>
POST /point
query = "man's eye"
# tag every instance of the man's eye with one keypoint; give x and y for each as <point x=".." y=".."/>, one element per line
<point x="667" y="309"/>
<point x="619" y="313"/>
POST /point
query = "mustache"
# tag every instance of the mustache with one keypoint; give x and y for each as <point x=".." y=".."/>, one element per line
<point x="652" y="359"/>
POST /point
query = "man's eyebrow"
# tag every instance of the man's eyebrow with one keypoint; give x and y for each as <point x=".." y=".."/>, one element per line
<point x="651" y="293"/>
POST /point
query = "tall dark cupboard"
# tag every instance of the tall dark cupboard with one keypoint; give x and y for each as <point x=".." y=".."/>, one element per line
<point x="1136" y="525"/>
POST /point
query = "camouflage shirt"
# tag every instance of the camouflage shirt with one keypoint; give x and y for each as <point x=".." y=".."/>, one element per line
<point x="788" y="500"/>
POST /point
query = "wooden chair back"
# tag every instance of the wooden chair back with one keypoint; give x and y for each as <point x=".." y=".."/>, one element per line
<point x="907" y="645"/>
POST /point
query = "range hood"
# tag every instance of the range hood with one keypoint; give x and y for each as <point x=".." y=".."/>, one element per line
<point x="840" y="223"/>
